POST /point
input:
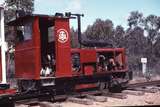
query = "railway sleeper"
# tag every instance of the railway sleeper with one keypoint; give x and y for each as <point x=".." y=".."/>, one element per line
<point x="97" y="98"/>
<point x="114" y="95"/>
<point x="154" y="87"/>
<point x="28" y="102"/>
<point x="80" y="100"/>
<point x="84" y="94"/>
<point x="49" y="104"/>
<point x="132" y="92"/>
<point x="145" y="90"/>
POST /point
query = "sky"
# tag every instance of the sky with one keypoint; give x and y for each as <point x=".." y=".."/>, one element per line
<point x="115" y="10"/>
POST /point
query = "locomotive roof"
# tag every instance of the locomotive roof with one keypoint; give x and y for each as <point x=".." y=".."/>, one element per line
<point x="20" y="20"/>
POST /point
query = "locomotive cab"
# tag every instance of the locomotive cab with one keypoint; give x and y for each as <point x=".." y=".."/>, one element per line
<point x="41" y="41"/>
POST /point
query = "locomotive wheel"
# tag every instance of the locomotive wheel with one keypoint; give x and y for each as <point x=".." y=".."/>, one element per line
<point x="115" y="86"/>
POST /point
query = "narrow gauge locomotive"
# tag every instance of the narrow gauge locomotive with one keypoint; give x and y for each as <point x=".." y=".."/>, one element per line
<point x="45" y="61"/>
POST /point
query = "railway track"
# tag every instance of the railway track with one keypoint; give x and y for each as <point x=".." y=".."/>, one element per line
<point x="143" y="84"/>
<point x="90" y="98"/>
<point x="87" y="98"/>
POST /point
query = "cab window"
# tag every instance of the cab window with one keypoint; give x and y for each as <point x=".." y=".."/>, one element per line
<point x="24" y="31"/>
<point x="27" y="30"/>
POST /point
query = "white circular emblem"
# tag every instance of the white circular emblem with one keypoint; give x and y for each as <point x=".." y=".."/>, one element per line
<point x="62" y="35"/>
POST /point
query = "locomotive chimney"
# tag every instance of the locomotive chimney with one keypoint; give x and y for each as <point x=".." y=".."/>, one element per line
<point x="79" y="28"/>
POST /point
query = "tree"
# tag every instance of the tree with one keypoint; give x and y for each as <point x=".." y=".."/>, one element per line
<point x="135" y="19"/>
<point x="135" y="41"/>
<point x="157" y="54"/>
<point x="119" y="36"/>
<point x="135" y="44"/>
<point x="157" y="47"/>
<point x="100" y="30"/>
<point x="14" y="5"/>
<point x="152" y="26"/>
<point x="143" y="44"/>
<point x="11" y="6"/>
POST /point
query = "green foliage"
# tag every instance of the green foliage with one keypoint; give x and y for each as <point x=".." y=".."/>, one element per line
<point x="144" y="44"/>
<point x="135" y="19"/>
<point x="13" y="5"/>
<point x="119" y="34"/>
<point x="100" y="30"/>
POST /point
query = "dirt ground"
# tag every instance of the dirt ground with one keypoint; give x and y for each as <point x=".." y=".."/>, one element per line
<point x="132" y="100"/>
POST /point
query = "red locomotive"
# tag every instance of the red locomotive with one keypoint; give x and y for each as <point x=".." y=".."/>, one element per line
<point x="45" y="61"/>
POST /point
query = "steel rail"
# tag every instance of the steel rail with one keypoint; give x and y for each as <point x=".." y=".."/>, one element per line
<point x="143" y="84"/>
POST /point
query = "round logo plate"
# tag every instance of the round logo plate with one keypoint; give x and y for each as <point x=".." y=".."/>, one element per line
<point x="62" y="35"/>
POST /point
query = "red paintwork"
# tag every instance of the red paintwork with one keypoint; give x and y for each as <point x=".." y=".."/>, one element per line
<point x="36" y="39"/>
<point x="88" y="70"/>
<point x="85" y="86"/>
<point x="63" y="50"/>
<point x="27" y="56"/>
<point x="87" y="55"/>
<point x="75" y="50"/>
<point x="7" y="91"/>
<point x="29" y="51"/>
<point x="109" y="49"/>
